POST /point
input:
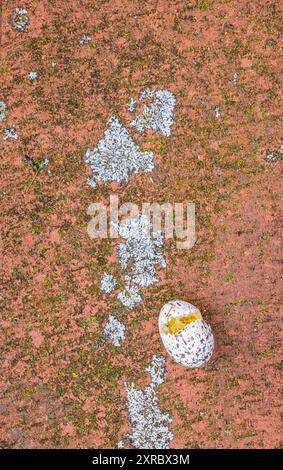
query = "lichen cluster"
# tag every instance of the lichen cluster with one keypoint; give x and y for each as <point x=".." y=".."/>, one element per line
<point x="116" y="155"/>
<point x="114" y="330"/>
<point x="149" y="424"/>
<point x="139" y="256"/>
<point x="158" y="114"/>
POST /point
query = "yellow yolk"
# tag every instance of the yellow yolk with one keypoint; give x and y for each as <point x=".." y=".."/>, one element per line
<point x="178" y="323"/>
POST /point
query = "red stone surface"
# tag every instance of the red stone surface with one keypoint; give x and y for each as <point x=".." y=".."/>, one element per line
<point x="57" y="388"/>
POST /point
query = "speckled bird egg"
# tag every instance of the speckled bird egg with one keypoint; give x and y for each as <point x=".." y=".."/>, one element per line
<point x="185" y="335"/>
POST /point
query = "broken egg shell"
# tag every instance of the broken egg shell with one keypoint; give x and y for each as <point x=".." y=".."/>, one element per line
<point x="186" y="336"/>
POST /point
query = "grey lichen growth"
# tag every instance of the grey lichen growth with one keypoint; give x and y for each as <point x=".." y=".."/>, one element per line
<point x="3" y="110"/>
<point x="139" y="256"/>
<point x="217" y="112"/>
<point x="108" y="283"/>
<point x="9" y="133"/>
<point x="158" y="114"/>
<point x="149" y="423"/>
<point x="90" y="182"/>
<point x="132" y="105"/>
<point x="32" y="75"/>
<point x="44" y="163"/>
<point x="156" y="370"/>
<point x="114" y="330"/>
<point x="273" y="156"/>
<point x="130" y="296"/>
<point x="235" y="78"/>
<point x="141" y="253"/>
<point x="116" y="155"/>
<point x="19" y="19"/>
<point x="85" y="39"/>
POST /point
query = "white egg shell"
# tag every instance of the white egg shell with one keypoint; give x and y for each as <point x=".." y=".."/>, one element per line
<point x="191" y="346"/>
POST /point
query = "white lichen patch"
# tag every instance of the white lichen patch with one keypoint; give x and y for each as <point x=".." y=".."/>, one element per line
<point x="9" y="133"/>
<point x="114" y="330"/>
<point x="116" y="155"/>
<point x="149" y="424"/>
<point x="90" y="182"/>
<point x="19" y="19"/>
<point x="132" y="105"/>
<point x="141" y="253"/>
<point x="217" y="112"/>
<point x="85" y="39"/>
<point x="274" y="155"/>
<point x="108" y="283"/>
<point x="235" y="78"/>
<point x="158" y="114"/>
<point x="44" y="163"/>
<point x="130" y="296"/>
<point x="32" y="75"/>
<point x="3" y="110"/>
<point x="156" y="370"/>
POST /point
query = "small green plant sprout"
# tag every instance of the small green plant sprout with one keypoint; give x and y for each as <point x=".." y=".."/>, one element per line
<point x="37" y="165"/>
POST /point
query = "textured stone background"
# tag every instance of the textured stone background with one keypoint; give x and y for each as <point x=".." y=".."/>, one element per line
<point x="57" y="388"/>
